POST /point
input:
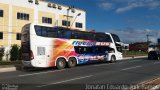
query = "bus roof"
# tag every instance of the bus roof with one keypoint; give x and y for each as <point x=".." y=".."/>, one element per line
<point x="47" y="25"/>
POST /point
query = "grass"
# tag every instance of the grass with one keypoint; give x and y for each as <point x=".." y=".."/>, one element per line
<point x="134" y="53"/>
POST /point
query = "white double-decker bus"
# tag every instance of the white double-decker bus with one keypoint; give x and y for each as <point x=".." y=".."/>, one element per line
<point x="48" y="46"/>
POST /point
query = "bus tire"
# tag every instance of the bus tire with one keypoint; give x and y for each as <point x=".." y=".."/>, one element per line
<point x="61" y="63"/>
<point x="113" y="59"/>
<point x="72" y="62"/>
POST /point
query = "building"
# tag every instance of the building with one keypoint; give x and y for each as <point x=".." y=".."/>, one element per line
<point x="14" y="14"/>
<point x="138" y="46"/>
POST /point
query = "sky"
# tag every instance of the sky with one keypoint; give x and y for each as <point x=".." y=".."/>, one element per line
<point x="131" y="20"/>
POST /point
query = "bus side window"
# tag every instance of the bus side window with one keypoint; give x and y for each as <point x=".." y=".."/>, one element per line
<point x="67" y="34"/>
<point x="76" y="35"/>
<point x="88" y="36"/>
<point x="51" y="32"/>
<point x="44" y="32"/>
<point x="38" y="30"/>
<point x="80" y="50"/>
<point x="64" y="33"/>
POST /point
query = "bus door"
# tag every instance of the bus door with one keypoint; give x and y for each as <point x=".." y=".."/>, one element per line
<point x="119" y="51"/>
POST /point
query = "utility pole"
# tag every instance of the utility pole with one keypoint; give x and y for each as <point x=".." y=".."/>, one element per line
<point x="148" y="41"/>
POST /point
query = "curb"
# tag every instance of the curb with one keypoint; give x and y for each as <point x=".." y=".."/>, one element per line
<point x="13" y="68"/>
<point x="151" y="84"/>
<point x="8" y="69"/>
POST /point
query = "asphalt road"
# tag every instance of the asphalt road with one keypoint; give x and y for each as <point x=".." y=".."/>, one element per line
<point x="101" y="76"/>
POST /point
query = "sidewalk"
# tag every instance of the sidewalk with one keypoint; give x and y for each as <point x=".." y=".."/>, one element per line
<point x="152" y="84"/>
<point x="10" y="68"/>
<point x="134" y="57"/>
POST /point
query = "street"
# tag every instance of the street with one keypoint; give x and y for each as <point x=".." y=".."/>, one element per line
<point x="125" y="72"/>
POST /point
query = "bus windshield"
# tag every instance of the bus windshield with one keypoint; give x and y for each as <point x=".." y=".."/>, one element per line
<point x="115" y="38"/>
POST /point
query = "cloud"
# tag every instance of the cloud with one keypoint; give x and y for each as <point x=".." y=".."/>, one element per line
<point x="127" y="5"/>
<point x="131" y="35"/>
<point x="149" y="20"/>
<point x="106" y="6"/>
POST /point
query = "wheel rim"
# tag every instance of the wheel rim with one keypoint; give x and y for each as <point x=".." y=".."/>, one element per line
<point x="61" y="63"/>
<point x="72" y="62"/>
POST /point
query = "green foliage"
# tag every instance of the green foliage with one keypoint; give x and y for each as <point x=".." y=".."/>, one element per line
<point x="134" y="53"/>
<point x="14" y="52"/>
<point x="1" y="53"/>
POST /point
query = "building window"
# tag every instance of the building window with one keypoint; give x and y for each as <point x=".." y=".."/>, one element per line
<point x="18" y="36"/>
<point x="64" y="23"/>
<point x="22" y="16"/>
<point x="1" y="35"/>
<point x="1" y="13"/>
<point x="46" y="20"/>
<point x="79" y="25"/>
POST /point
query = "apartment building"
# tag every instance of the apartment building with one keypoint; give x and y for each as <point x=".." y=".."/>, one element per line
<point x="14" y="14"/>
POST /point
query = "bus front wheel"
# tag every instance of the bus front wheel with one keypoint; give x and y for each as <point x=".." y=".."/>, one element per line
<point x="61" y="63"/>
<point x="72" y="62"/>
<point x="113" y="59"/>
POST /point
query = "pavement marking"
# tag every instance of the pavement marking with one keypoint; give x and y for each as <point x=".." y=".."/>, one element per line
<point x="65" y="81"/>
<point x="24" y="75"/>
<point x="130" y="68"/>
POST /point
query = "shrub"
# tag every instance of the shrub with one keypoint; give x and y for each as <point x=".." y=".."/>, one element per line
<point x="14" y="52"/>
<point x="1" y="53"/>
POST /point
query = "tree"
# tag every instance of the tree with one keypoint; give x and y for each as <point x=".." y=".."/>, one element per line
<point x="1" y="53"/>
<point x="14" y="52"/>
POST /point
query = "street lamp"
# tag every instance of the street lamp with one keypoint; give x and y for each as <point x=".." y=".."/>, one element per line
<point x="69" y="8"/>
<point x="75" y="19"/>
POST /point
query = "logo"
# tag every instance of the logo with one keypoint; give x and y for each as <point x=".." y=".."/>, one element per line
<point x="78" y="43"/>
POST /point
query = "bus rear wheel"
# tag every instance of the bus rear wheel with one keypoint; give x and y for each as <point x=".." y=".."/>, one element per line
<point x="113" y="59"/>
<point x="61" y="63"/>
<point x="72" y="62"/>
